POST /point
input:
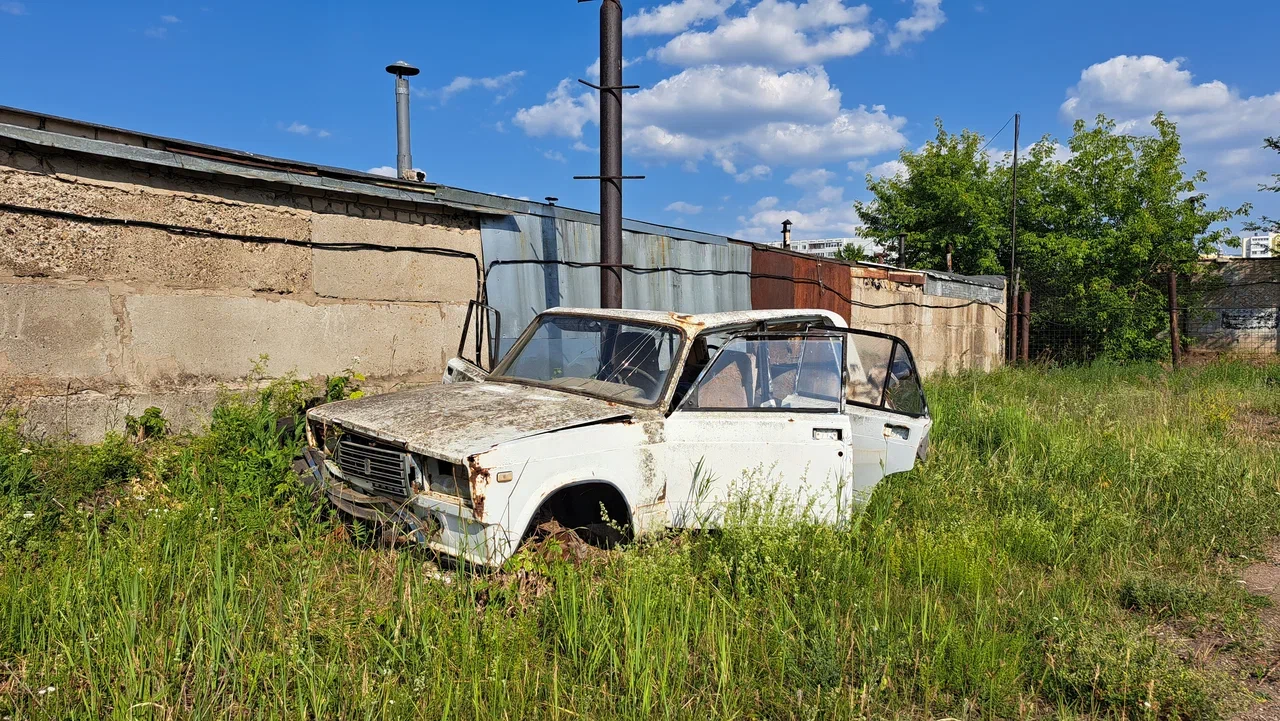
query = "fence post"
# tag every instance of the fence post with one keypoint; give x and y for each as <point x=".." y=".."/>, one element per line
<point x="1024" y="334"/>
<point x="1175" y="342"/>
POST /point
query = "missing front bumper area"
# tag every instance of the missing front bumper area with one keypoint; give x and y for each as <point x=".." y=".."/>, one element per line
<point x="392" y="519"/>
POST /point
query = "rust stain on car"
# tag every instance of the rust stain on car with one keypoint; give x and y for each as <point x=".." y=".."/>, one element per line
<point x="478" y="476"/>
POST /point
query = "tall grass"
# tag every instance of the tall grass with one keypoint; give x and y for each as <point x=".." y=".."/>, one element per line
<point x="1018" y="574"/>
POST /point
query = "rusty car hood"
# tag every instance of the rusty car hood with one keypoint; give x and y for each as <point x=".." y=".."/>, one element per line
<point x="457" y="420"/>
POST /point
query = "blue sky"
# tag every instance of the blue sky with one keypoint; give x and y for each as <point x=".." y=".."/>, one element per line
<point x="751" y="111"/>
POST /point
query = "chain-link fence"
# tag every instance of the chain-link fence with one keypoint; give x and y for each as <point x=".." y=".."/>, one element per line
<point x="1229" y="307"/>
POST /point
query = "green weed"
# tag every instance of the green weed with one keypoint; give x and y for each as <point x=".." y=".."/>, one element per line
<point x="1063" y="515"/>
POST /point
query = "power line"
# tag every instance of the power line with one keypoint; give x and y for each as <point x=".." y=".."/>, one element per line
<point x="1001" y="130"/>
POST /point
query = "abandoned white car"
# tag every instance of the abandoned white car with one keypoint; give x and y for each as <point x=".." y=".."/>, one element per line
<point x="624" y="422"/>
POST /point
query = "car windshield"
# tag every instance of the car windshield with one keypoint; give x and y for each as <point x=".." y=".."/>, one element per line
<point x="609" y="359"/>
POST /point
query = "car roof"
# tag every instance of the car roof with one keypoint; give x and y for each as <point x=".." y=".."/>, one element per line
<point x="693" y="323"/>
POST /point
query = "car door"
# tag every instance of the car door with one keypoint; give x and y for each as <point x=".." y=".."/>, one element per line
<point x="764" y="420"/>
<point x="884" y="397"/>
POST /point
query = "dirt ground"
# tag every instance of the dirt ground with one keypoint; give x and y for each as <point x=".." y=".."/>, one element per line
<point x="1260" y="667"/>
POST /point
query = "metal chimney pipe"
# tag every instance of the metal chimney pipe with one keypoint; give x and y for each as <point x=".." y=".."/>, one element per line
<point x="404" y="158"/>
<point x="786" y="234"/>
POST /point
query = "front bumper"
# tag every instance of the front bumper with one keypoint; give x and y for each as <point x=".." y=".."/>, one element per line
<point x="447" y="527"/>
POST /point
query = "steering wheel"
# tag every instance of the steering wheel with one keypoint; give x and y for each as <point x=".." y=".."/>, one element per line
<point x="627" y="373"/>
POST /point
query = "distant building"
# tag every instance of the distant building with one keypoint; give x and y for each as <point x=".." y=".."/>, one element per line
<point x="827" y="247"/>
<point x="1261" y="246"/>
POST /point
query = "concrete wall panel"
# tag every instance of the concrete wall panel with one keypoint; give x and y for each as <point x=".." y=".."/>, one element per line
<point x="376" y="275"/>
<point x="35" y="246"/>
<point x="52" y="332"/>
<point x="140" y="202"/>
<point x="201" y="338"/>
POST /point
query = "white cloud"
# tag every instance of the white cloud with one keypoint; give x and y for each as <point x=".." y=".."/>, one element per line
<point x="778" y="34"/>
<point x="171" y="19"/>
<point x="766" y="203"/>
<point x="673" y="17"/>
<point x="757" y="172"/>
<point x="819" y="213"/>
<point x="730" y="113"/>
<point x="555" y="155"/>
<point x="889" y="168"/>
<point x="702" y="101"/>
<point x="811" y="178"/>
<point x="302" y="129"/>
<point x="839" y="221"/>
<point x="13" y="8"/>
<point x="1132" y="89"/>
<point x="684" y="208"/>
<point x="926" y="17"/>
<point x="563" y="114"/>
<point x="500" y="85"/>
<point x="156" y="33"/>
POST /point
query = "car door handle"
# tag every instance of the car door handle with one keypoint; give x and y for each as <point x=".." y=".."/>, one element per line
<point x="892" y="430"/>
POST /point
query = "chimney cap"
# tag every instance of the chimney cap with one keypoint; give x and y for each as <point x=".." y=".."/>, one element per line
<point x="787" y="223"/>
<point x="551" y="199"/>
<point x="402" y="69"/>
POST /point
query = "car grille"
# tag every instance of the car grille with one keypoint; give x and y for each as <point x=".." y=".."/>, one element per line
<point x="385" y="469"/>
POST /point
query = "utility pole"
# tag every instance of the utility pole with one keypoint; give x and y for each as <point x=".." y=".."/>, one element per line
<point x="1013" y="243"/>
<point x="610" y="176"/>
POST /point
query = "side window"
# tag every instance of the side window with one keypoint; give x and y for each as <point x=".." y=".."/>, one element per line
<point x="903" y="392"/>
<point x="868" y="362"/>
<point x="772" y="372"/>
<point x="882" y="375"/>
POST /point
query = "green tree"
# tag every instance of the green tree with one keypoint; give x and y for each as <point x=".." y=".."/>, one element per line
<point x="947" y="195"/>
<point x="1096" y="232"/>
<point x="852" y="253"/>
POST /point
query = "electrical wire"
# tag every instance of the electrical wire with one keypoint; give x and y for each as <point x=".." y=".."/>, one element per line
<point x="257" y="239"/>
<point x="482" y="273"/>
<point x="718" y="272"/>
<point x="1001" y="130"/>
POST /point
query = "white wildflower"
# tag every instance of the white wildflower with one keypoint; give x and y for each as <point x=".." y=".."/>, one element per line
<point x="25" y="452"/>
<point x="28" y="514"/>
<point x="46" y="689"/>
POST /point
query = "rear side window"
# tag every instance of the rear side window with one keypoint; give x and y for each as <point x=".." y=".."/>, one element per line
<point x="881" y="374"/>
<point x="902" y="389"/>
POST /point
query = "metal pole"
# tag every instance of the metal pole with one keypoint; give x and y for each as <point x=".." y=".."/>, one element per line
<point x="1013" y="238"/>
<point x="902" y="250"/>
<point x="1175" y="342"/>
<point x="404" y="158"/>
<point x="1014" y="313"/>
<point x="1024" y="334"/>
<point x="611" y="154"/>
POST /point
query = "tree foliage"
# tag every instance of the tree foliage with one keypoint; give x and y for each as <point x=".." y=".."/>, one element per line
<point x="853" y="253"/>
<point x="1096" y="231"/>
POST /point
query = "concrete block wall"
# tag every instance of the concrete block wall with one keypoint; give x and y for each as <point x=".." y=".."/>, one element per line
<point x="945" y="334"/>
<point x="1244" y="314"/>
<point x="97" y="321"/>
